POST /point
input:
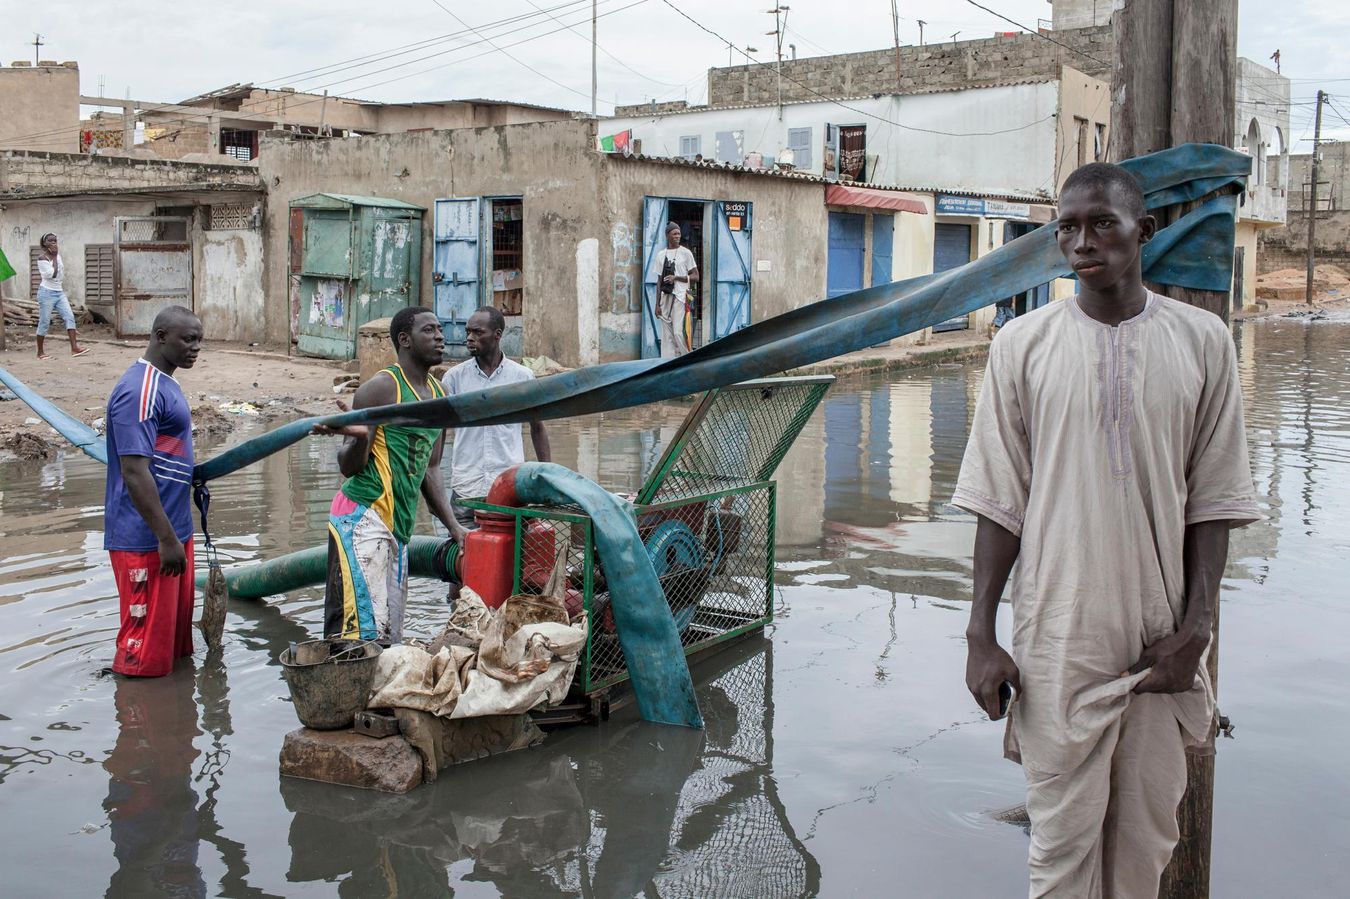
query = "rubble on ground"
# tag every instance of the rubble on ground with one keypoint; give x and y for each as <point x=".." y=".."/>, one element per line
<point x="1329" y="282"/>
<point x="208" y="421"/>
<point x="29" y="446"/>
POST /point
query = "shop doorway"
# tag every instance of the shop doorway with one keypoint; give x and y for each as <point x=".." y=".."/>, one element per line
<point x="690" y="215"/>
<point x="718" y="233"/>
<point x="951" y="249"/>
<point x="1038" y="296"/>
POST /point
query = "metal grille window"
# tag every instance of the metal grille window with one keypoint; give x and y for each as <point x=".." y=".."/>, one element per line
<point x="691" y="146"/>
<point x="799" y="142"/>
<point x="34" y="279"/>
<point x="98" y="274"/>
<point x="239" y="144"/>
<point x="729" y="145"/>
<point x="223" y="216"/>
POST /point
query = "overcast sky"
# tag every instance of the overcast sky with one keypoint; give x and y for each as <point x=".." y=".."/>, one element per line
<point x="417" y="50"/>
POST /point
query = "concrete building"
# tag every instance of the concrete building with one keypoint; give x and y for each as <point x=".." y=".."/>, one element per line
<point x="1014" y="56"/>
<point x="137" y="235"/>
<point x="40" y="106"/>
<point x="1287" y="247"/>
<point x="1072" y="14"/>
<point x="1260" y="129"/>
<point x="1017" y="139"/>
<point x="42" y="111"/>
<point x="534" y="209"/>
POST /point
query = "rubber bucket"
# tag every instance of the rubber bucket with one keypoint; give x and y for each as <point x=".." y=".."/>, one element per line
<point x="329" y="680"/>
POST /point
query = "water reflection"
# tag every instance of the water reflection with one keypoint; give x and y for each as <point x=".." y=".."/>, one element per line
<point x="151" y="805"/>
<point x="842" y="757"/>
<point x="629" y="809"/>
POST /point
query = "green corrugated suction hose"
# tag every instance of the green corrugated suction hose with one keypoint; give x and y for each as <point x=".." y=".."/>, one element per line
<point x="433" y="557"/>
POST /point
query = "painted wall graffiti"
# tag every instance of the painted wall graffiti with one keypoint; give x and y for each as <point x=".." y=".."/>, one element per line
<point x="627" y="282"/>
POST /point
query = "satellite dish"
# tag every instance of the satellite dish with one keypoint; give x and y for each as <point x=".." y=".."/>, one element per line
<point x="786" y="159"/>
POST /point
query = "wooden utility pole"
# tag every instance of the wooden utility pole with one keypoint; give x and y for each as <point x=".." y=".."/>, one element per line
<point x="1175" y="82"/>
<point x="1313" y="175"/>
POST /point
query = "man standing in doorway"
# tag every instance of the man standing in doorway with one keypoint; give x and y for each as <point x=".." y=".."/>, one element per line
<point x="1108" y="461"/>
<point x="147" y="509"/>
<point x="481" y="454"/>
<point x="678" y="271"/>
<point x="387" y="467"/>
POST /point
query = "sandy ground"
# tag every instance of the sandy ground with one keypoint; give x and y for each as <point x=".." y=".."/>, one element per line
<point x="1328" y="300"/>
<point x="268" y="385"/>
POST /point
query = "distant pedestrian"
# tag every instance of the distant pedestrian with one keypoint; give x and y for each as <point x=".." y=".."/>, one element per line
<point x="1004" y="312"/>
<point x="679" y="269"/>
<point x="147" y="519"/>
<point x="52" y="296"/>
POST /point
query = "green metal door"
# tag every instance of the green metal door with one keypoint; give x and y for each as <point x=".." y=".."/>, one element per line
<point x="391" y="265"/>
<point x="326" y="324"/>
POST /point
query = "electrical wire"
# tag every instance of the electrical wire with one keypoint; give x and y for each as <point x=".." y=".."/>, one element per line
<point x="844" y="105"/>
<point x="517" y="60"/>
<point x="49" y="134"/>
<point x="1038" y="33"/>
<point x="392" y="52"/>
<point x="604" y="51"/>
<point x="207" y="113"/>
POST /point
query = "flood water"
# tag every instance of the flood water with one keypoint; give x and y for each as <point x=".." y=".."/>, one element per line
<point x="842" y="755"/>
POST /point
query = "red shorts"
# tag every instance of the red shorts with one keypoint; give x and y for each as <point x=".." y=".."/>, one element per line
<point x="156" y="613"/>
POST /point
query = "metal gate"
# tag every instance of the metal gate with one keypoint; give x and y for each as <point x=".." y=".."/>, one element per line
<point x="455" y="268"/>
<point x="152" y="269"/>
<point x="654" y="211"/>
<point x="844" y="266"/>
<point x="951" y="249"/>
<point x="734" y="222"/>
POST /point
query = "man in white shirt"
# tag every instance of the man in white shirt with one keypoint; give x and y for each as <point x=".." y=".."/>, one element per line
<point x="51" y="296"/>
<point x="678" y="271"/>
<point x="481" y="454"/>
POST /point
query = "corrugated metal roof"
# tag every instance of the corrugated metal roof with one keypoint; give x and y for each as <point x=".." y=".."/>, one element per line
<point x="477" y="101"/>
<point x="810" y="178"/>
<point x="1015" y="82"/>
<point x="357" y="200"/>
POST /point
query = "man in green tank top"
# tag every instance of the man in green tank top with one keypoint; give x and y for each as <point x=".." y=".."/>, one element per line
<point x="387" y="468"/>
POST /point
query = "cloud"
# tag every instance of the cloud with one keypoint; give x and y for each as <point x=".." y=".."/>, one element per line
<point x="164" y="52"/>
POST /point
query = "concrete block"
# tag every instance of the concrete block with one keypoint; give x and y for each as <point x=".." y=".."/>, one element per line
<point x="374" y="349"/>
<point x="442" y="743"/>
<point x="342" y="757"/>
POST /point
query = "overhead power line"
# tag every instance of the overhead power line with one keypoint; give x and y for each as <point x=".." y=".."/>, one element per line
<point x="844" y="105"/>
<point x="517" y="60"/>
<point x="572" y="28"/>
<point x="205" y="113"/>
<point x="390" y="53"/>
<point x="1038" y="33"/>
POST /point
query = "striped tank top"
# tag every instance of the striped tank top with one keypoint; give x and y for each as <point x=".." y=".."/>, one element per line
<point x="391" y="482"/>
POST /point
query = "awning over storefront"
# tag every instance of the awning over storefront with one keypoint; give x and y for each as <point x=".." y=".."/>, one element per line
<point x="843" y="195"/>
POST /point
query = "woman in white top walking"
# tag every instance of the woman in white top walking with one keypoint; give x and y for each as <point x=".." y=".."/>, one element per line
<point x="51" y="296"/>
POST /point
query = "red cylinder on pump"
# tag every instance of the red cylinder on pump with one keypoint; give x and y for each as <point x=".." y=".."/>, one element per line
<point x="489" y="557"/>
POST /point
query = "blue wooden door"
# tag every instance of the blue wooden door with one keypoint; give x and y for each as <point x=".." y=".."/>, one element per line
<point x="951" y="249"/>
<point x="456" y="268"/>
<point x="731" y="267"/>
<point x="846" y="250"/>
<point x="654" y="210"/>
<point x="883" y="247"/>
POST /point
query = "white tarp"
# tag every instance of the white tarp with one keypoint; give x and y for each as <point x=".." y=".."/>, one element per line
<point x="526" y="657"/>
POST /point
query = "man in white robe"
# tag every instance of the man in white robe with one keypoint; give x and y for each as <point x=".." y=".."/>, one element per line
<point x="1108" y="461"/>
